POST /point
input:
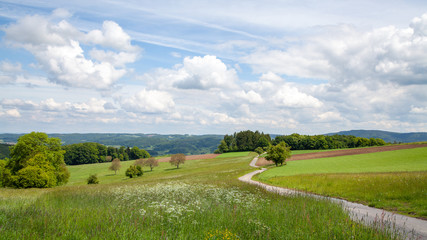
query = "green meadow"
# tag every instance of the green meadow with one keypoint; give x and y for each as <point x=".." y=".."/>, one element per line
<point x="201" y="200"/>
<point x="233" y="154"/>
<point x="393" y="180"/>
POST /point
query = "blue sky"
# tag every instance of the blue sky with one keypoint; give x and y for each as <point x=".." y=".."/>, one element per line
<point x="213" y="67"/>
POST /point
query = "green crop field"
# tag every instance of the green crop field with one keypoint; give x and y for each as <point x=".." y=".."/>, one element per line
<point x="201" y="200"/>
<point x="390" y="180"/>
<point x="233" y="154"/>
<point x="296" y="152"/>
<point x="391" y="161"/>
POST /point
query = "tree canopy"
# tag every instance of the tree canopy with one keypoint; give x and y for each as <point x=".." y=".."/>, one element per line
<point x="90" y="152"/>
<point x="306" y="142"/>
<point x="115" y="165"/>
<point x="177" y="159"/>
<point x="279" y="153"/>
<point x="244" y="141"/>
<point x="35" y="161"/>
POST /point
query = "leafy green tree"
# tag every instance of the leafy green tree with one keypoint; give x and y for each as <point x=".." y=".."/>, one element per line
<point x="279" y="153"/>
<point x="177" y="159"/>
<point x="115" y="165"/>
<point x="2" y="164"/>
<point x="136" y="153"/>
<point x="259" y="150"/>
<point x="263" y="142"/>
<point x="134" y="171"/>
<point x="35" y="161"/>
<point x="92" y="179"/>
<point x="222" y="148"/>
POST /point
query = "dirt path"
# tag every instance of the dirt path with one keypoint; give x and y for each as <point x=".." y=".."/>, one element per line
<point x="412" y="228"/>
<point x="345" y="152"/>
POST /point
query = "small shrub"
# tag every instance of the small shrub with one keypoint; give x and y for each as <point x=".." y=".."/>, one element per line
<point x="259" y="150"/>
<point x="92" y="179"/>
<point x="134" y="171"/>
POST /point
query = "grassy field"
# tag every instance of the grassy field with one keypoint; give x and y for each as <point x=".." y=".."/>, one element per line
<point x="391" y="161"/>
<point x="390" y="180"/>
<point x="201" y="200"/>
<point x="295" y="152"/>
<point x="233" y="154"/>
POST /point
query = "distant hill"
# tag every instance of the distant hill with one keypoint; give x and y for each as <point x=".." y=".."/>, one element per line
<point x="155" y="144"/>
<point x="386" y="136"/>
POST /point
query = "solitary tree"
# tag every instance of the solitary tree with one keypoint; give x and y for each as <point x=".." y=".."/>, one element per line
<point x="115" y="165"/>
<point x="35" y="161"/>
<point x="279" y="153"/>
<point x="177" y="159"/>
<point x="151" y="162"/>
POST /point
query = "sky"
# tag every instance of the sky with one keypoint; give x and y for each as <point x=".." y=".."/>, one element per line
<point x="213" y="67"/>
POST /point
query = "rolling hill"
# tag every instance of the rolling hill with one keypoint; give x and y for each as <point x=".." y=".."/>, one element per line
<point x="386" y="136"/>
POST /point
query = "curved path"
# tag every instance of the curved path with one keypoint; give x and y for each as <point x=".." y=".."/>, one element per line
<point x="413" y="228"/>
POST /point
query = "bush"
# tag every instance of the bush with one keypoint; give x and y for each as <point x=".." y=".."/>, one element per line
<point x="134" y="171"/>
<point x="92" y="179"/>
<point x="259" y="150"/>
<point x="33" y="176"/>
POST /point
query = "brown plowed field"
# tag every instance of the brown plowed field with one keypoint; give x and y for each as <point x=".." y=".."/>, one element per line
<point x="337" y="153"/>
<point x="192" y="157"/>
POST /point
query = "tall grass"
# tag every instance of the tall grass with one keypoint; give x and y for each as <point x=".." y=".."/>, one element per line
<point x="178" y="211"/>
<point x="405" y="192"/>
<point x="202" y="200"/>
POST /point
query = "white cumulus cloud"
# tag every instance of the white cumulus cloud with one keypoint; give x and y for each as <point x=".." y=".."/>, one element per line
<point x="58" y="50"/>
<point x="343" y="54"/>
<point x="13" y="113"/>
<point x="207" y="72"/>
<point x="148" y="101"/>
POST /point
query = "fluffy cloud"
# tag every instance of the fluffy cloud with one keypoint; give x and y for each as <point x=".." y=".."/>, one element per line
<point x="10" y="67"/>
<point x="342" y="54"/>
<point x="288" y="96"/>
<point x="148" y="101"/>
<point x="281" y="93"/>
<point x="111" y="35"/>
<point x="57" y="48"/>
<point x="418" y="110"/>
<point x="8" y="72"/>
<point x="251" y="96"/>
<point x="13" y="113"/>
<point x="202" y="73"/>
<point x="93" y="106"/>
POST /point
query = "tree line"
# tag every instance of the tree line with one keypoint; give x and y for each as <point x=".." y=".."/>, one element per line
<point x="306" y="142"/>
<point x="256" y="141"/>
<point x="244" y="141"/>
<point x="84" y="153"/>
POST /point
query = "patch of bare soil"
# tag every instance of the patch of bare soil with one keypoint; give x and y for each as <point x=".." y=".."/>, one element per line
<point x="337" y="153"/>
<point x="192" y="157"/>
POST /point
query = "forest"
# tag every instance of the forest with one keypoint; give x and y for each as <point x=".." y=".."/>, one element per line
<point x="249" y="141"/>
<point x="83" y="153"/>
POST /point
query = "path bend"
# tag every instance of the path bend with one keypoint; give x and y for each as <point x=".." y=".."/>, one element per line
<point x="413" y="228"/>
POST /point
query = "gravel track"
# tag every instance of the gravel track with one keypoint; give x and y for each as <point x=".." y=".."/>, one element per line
<point x="412" y="228"/>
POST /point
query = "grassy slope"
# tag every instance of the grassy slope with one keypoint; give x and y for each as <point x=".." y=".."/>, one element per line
<point x="391" y="161"/>
<point x="212" y="204"/>
<point x="375" y="179"/>
<point x="233" y="154"/>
